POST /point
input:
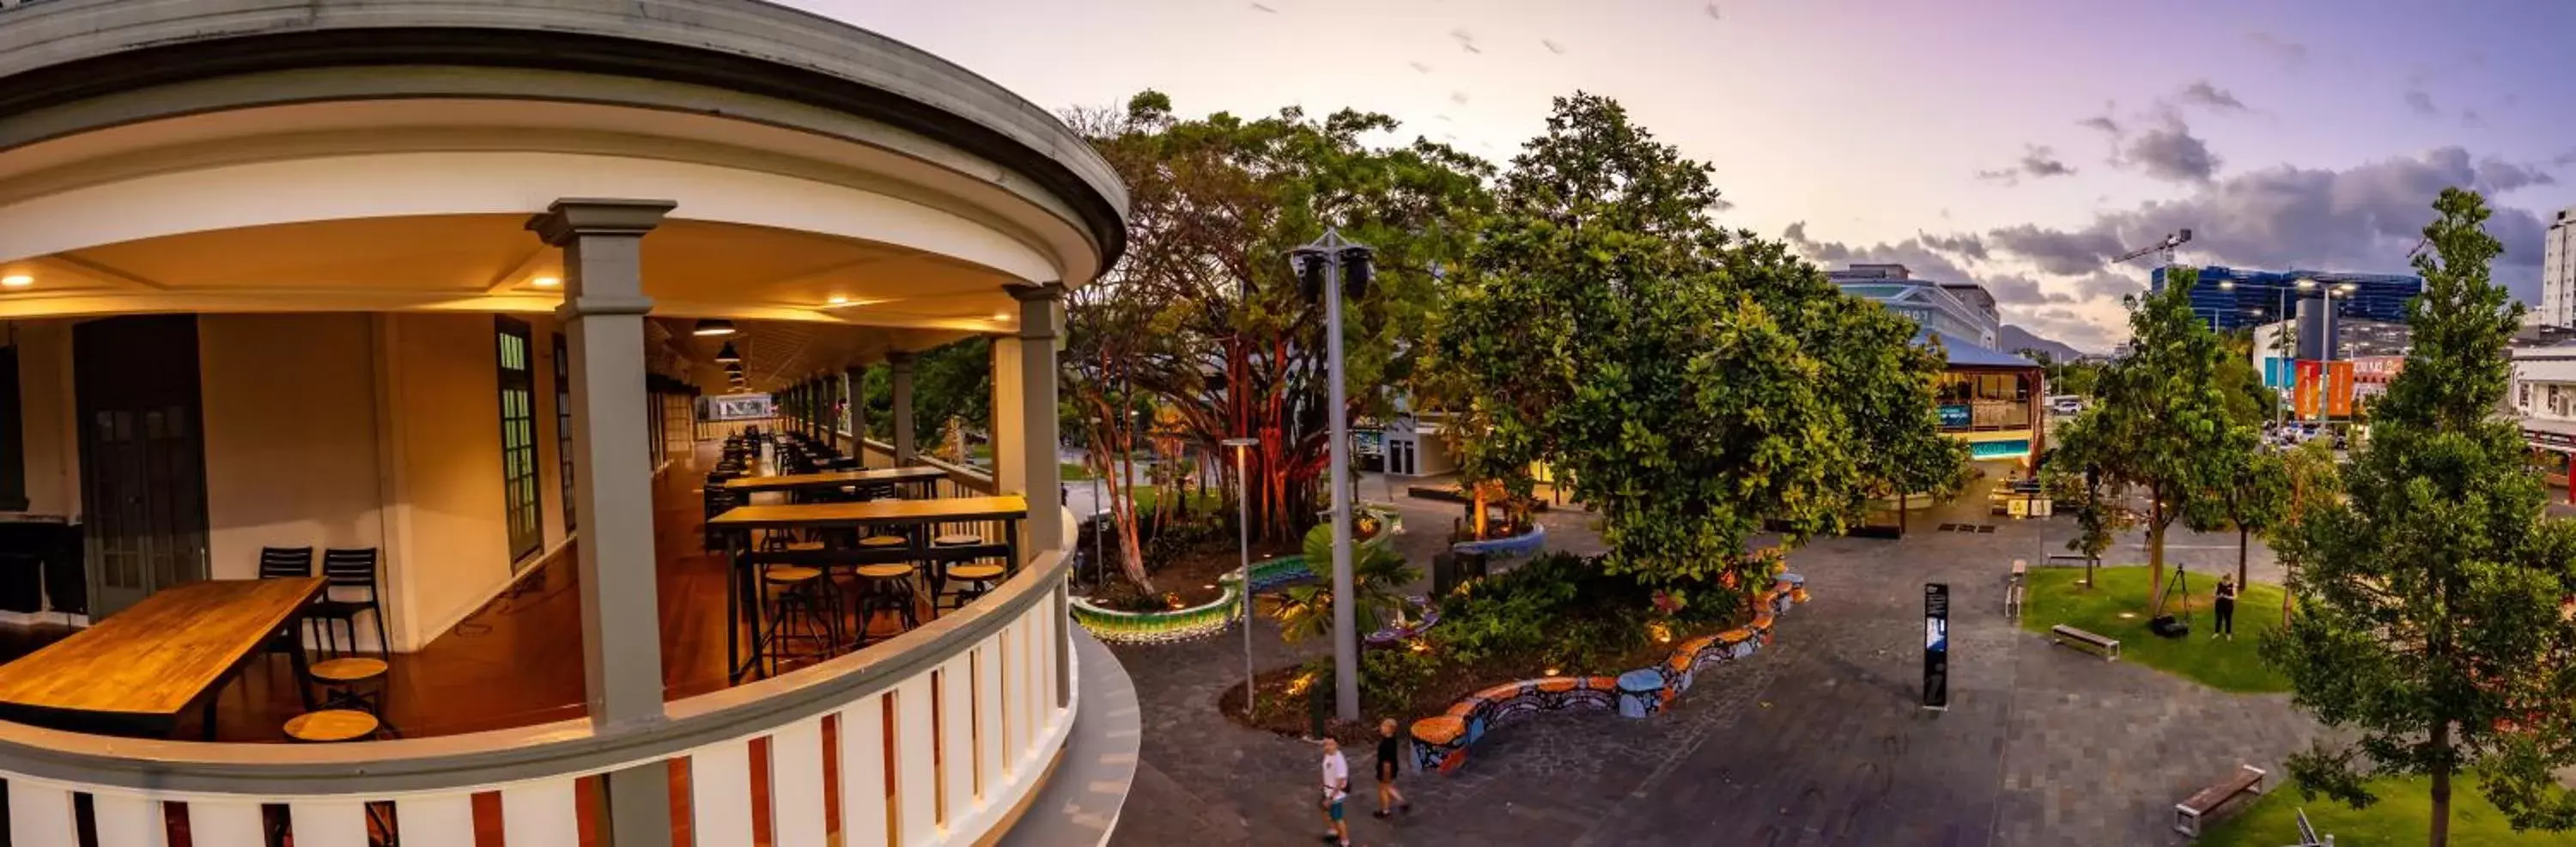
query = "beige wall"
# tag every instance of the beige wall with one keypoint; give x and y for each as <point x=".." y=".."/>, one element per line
<point x="47" y="411"/>
<point x="289" y="406"/>
<point x="439" y="397"/>
<point x="336" y="430"/>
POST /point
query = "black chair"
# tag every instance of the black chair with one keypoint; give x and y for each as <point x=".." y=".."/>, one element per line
<point x="285" y="562"/>
<point x="350" y="570"/>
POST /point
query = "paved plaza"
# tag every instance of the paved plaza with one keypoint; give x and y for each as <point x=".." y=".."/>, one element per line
<point x="1817" y="740"/>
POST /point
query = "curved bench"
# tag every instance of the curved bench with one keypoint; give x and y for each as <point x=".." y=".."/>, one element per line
<point x="1440" y="742"/>
<point x="1214" y="616"/>
<point x="1520" y="546"/>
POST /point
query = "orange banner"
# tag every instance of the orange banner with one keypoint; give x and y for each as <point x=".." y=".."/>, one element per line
<point x="2304" y="396"/>
<point x="2339" y="389"/>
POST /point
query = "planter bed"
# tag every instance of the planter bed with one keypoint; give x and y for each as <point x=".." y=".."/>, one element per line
<point x="1441" y="742"/>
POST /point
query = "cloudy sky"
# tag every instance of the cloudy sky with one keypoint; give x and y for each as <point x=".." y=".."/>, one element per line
<point x="2016" y="143"/>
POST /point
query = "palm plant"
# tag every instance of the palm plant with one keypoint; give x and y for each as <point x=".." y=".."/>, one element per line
<point x="1378" y="577"/>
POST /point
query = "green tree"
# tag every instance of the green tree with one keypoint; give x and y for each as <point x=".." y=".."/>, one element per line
<point x="2254" y="490"/>
<point x="2171" y="422"/>
<point x="2433" y="625"/>
<point x="1233" y="345"/>
<point x="2314" y="482"/>
<point x="1697" y="383"/>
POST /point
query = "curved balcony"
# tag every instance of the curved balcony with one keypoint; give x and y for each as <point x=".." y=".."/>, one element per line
<point x="938" y="736"/>
<point x="441" y="281"/>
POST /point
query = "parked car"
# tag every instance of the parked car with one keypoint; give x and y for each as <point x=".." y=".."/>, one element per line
<point x="2065" y="404"/>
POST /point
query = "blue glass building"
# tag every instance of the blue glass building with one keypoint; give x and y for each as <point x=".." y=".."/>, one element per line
<point x="2237" y="298"/>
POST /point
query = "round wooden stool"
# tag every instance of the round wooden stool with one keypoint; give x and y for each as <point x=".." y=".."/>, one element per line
<point x="340" y="679"/>
<point x="331" y="725"/>
<point x="885" y="588"/>
<point x="978" y="579"/>
<point x="805" y="609"/>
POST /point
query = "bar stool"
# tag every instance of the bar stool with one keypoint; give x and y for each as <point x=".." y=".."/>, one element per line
<point x="804" y="609"/>
<point x="945" y="552"/>
<point x="885" y="588"/>
<point x="332" y="725"/>
<point x="340" y="680"/>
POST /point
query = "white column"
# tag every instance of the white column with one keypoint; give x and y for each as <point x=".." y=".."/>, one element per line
<point x="1034" y="443"/>
<point x="603" y="319"/>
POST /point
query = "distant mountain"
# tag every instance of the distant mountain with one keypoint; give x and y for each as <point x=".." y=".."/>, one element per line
<point x="2017" y="339"/>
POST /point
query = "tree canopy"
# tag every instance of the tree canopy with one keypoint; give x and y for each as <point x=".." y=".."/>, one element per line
<point x="1696" y="383"/>
<point x="2172" y="421"/>
<point x="2433" y="622"/>
<point x="1203" y="312"/>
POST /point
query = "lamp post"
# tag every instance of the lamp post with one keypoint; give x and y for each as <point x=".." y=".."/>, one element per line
<point x="1322" y="268"/>
<point x="1243" y="540"/>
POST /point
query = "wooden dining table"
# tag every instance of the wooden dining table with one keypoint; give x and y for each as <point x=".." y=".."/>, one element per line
<point x="919" y="482"/>
<point x="910" y="517"/>
<point x="137" y="671"/>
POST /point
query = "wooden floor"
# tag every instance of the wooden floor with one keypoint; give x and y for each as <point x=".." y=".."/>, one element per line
<point x="517" y="660"/>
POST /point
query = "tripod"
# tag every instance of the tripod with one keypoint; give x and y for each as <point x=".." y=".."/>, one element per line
<point x="2167" y="624"/>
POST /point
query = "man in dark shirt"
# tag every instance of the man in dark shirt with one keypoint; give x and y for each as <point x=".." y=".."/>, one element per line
<point x="1389" y="753"/>
<point x="2226" y="609"/>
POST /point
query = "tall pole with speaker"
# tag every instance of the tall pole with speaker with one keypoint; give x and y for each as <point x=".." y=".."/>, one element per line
<point x="1325" y="268"/>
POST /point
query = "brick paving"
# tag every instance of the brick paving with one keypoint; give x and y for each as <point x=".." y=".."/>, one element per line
<point x="1816" y="741"/>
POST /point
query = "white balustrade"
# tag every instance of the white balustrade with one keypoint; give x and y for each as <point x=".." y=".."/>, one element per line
<point x="967" y="738"/>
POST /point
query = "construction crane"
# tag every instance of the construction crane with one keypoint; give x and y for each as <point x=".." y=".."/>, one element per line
<point x="2165" y="248"/>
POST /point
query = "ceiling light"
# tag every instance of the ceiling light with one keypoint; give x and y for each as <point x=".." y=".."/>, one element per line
<point x="728" y="355"/>
<point x="838" y="300"/>
<point x="546" y="281"/>
<point x="713" y="327"/>
<point x="17" y="280"/>
<point x="1001" y="316"/>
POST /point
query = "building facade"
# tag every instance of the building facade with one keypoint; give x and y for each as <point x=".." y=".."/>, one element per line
<point x="2237" y="298"/>
<point x="439" y="281"/>
<point x="2543" y="397"/>
<point x="1990" y="399"/>
<point x="2557" y="306"/>
<point x="1953" y="310"/>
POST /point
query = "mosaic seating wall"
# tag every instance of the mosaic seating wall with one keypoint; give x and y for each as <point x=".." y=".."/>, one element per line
<point x="1520" y="546"/>
<point x="1440" y="742"/>
<point x="1212" y="617"/>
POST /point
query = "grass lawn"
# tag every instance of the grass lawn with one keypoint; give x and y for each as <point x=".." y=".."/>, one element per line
<point x="1073" y="471"/>
<point x="1147" y="496"/>
<point x="2117" y="608"/>
<point x="2402" y="816"/>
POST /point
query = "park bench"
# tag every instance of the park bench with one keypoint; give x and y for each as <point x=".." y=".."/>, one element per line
<point x="2247" y="779"/>
<point x="2107" y="646"/>
<point x="2015" y="588"/>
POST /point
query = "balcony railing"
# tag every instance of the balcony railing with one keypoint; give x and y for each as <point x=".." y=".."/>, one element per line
<point x="936" y="737"/>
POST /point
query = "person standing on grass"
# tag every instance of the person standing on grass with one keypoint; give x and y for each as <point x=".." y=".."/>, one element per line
<point x="2226" y="609"/>
<point x="1388" y="754"/>
<point x="1337" y="787"/>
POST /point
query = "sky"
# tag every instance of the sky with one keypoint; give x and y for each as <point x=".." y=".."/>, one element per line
<point x="2020" y="144"/>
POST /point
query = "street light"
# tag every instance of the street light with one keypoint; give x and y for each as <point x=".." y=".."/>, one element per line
<point x="1322" y="269"/>
<point x="1243" y="533"/>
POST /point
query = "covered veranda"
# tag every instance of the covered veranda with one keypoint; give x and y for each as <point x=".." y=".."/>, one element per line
<point x="300" y="336"/>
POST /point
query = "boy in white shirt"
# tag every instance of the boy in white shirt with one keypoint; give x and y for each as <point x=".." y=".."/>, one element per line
<point x="1337" y="786"/>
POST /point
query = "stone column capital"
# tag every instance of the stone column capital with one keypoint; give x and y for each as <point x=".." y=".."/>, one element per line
<point x="899" y="360"/>
<point x="1029" y="291"/>
<point x="1041" y="310"/>
<point x="573" y="217"/>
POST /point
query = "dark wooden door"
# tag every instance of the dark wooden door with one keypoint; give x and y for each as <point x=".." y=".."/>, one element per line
<point x="143" y="467"/>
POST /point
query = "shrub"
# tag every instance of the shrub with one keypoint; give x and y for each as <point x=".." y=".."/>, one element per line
<point x="1392" y="677"/>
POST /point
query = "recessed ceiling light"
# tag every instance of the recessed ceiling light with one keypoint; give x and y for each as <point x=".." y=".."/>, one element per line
<point x="713" y="327"/>
<point x="1001" y="316"/>
<point x="17" y="280"/>
<point x="838" y="300"/>
<point x="547" y="281"/>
